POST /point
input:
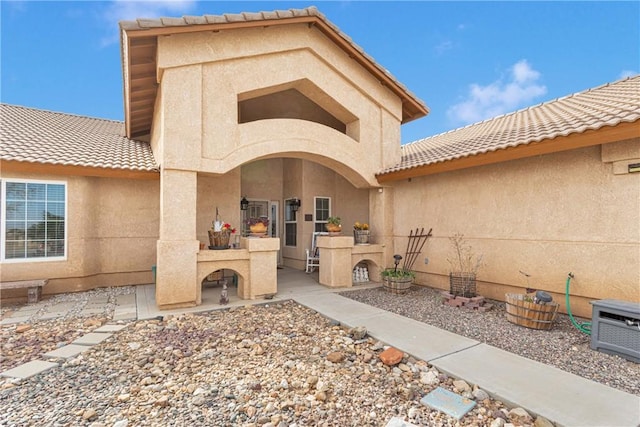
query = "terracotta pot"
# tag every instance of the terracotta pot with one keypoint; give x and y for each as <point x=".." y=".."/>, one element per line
<point x="258" y="228"/>
<point x="333" y="228"/>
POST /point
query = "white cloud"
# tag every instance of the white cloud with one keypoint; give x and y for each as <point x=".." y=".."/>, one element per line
<point x="499" y="97"/>
<point x="120" y="10"/>
<point x="444" y="46"/>
<point x="627" y="73"/>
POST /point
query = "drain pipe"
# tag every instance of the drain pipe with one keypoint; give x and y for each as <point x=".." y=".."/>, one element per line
<point x="584" y="327"/>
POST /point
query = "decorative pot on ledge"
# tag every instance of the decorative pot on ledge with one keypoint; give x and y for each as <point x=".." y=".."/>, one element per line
<point x="258" y="229"/>
<point x="333" y="229"/>
<point x="219" y="240"/>
<point x="361" y="237"/>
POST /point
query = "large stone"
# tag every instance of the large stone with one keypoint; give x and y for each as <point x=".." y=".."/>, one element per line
<point x="391" y="356"/>
<point x="480" y="395"/>
<point x="335" y="357"/>
<point x="358" y="333"/>
<point x="461" y="386"/>
<point x="22" y="328"/>
<point x="429" y="378"/>
<point x="542" y="422"/>
<point x="89" y="414"/>
<point x="519" y="412"/>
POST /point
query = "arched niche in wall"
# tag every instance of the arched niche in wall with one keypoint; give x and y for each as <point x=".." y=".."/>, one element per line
<point x="301" y="100"/>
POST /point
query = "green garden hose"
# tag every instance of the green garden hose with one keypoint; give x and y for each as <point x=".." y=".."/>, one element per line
<point x="584" y="327"/>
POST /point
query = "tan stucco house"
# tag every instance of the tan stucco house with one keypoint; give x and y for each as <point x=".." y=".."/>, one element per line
<point x="283" y="111"/>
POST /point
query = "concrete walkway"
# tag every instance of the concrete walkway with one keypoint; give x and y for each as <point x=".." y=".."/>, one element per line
<point x="561" y="397"/>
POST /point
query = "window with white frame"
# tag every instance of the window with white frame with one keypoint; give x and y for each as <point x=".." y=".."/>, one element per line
<point x="34" y="220"/>
<point x="322" y="212"/>
<point x="290" y="223"/>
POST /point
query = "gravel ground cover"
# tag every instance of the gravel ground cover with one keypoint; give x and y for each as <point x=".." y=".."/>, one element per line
<point x="27" y="341"/>
<point x="563" y="346"/>
<point x="266" y="365"/>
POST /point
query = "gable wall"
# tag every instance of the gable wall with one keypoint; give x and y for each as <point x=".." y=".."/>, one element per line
<point x="547" y="216"/>
<point x="203" y="74"/>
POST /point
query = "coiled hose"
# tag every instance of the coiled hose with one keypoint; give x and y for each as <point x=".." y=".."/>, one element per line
<point x="584" y="327"/>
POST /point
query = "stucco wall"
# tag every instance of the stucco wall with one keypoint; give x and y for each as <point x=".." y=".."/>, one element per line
<point x="547" y="216"/>
<point x="204" y="76"/>
<point x="112" y="228"/>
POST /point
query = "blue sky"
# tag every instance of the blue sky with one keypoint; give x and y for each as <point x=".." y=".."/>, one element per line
<point x="467" y="60"/>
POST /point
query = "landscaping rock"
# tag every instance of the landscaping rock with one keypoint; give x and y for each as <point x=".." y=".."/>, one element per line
<point x="391" y="356"/>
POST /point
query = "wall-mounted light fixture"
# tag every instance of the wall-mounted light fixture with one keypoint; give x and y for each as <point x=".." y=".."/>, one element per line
<point x="633" y="167"/>
<point x="295" y="204"/>
<point x="244" y="204"/>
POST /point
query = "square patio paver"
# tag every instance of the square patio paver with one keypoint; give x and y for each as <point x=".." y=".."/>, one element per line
<point x="448" y="402"/>
<point x="67" y="351"/>
<point x="29" y="369"/>
<point x="91" y="338"/>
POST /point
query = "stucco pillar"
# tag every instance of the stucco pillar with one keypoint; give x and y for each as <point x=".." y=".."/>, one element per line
<point x="263" y="267"/>
<point x="176" y="275"/>
<point x="335" y="261"/>
<point x="381" y="220"/>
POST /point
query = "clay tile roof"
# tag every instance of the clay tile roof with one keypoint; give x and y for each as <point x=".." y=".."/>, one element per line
<point x="38" y="136"/>
<point x="607" y="105"/>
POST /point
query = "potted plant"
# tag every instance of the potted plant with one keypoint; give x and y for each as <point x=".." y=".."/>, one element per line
<point x="334" y="225"/>
<point x="219" y="233"/>
<point x="464" y="264"/>
<point x="361" y="233"/>
<point x="258" y="226"/>
<point x="397" y="281"/>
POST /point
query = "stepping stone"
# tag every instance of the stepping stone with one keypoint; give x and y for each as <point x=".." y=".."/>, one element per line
<point x="49" y="316"/>
<point x="125" y="314"/>
<point x="399" y="422"/>
<point x="98" y="300"/>
<point x="27" y="310"/>
<point x="110" y="328"/>
<point x="128" y="299"/>
<point x="90" y="311"/>
<point x="91" y="338"/>
<point x="448" y="402"/>
<point x="29" y="369"/>
<point x="67" y="351"/>
<point x="14" y="320"/>
<point x="61" y="306"/>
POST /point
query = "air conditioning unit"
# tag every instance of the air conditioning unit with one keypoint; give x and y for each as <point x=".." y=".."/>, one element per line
<point x="615" y="328"/>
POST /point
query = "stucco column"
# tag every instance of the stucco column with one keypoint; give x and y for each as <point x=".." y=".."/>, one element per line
<point x="263" y="267"/>
<point x="381" y="220"/>
<point x="176" y="276"/>
<point x="335" y="261"/>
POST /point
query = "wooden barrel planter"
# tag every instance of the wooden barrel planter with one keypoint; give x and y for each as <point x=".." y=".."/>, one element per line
<point x="522" y="311"/>
<point x="398" y="285"/>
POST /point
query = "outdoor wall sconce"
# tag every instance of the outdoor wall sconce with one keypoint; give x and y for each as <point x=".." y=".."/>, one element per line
<point x="295" y="204"/>
<point x="244" y="204"/>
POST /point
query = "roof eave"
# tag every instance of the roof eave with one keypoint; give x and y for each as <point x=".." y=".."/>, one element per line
<point x="77" y="170"/>
<point x="603" y="135"/>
